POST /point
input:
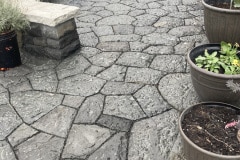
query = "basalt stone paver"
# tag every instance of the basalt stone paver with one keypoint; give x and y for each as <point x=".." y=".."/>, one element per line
<point x="123" y="106"/>
<point x="120" y="88"/>
<point x="135" y="59"/>
<point x="152" y="138"/>
<point x="22" y="133"/>
<point x="6" y="151"/>
<point x="116" y="98"/>
<point x="115" y="148"/>
<point x="90" y="110"/>
<point x="84" y="140"/>
<point x="56" y="122"/>
<point x="40" y="146"/>
<point x="9" y="120"/>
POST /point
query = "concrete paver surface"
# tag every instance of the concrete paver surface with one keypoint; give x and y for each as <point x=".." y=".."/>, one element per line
<point x="118" y="98"/>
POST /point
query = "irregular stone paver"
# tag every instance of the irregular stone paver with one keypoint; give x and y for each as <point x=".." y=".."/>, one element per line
<point x="162" y="39"/>
<point x="113" y="46"/>
<point x="135" y="59"/>
<point x="143" y="75"/>
<point x="185" y="31"/>
<point x="104" y="13"/>
<point x="114" y="73"/>
<point x="9" y="120"/>
<point x="123" y="29"/>
<point x="31" y="105"/>
<point x="176" y="63"/>
<point x="116" y="20"/>
<point x="8" y="82"/>
<point x="90" y="110"/>
<point x="81" y="84"/>
<point x="88" y="39"/>
<point x="2" y="89"/>
<point x="137" y="46"/>
<point x="22" y="133"/>
<point x="72" y="66"/>
<point x="103" y="30"/>
<point x="41" y="146"/>
<point x="157" y="12"/>
<point x="117" y="97"/>
<point x="136" y="12"/>
<point x="159" y="50"/>
<point x="115" y="148"/>
<point x="151" y="101"/>
<point x="6" y="151"/>
<point x="44" y="80"/>
<point x="57" y="121"/>
<point x="123" y="106"/>
<point x="117" y="7"/>
<point x="169" y="22"/>
<point x="73" y="101"/>
<point x="177" y="152"/>
<point x="87" y="52"/>
<point x="105" y="59"/>
<point x="90" y="18"/>
<point x="94" y="70"/>
<point x="144" y="30"/>
<point x="84" y="139"/>
<point x="115" y="123"/>
<point x="4" y="98"/>
<point x="19" y="71"/>
<point x="145" y="20"/>
<point x="153" y="138"/>
<point x="184" y="47"/>
<point x="119" y="38"/>
<point x="177" y="89"/>
<point x="23" y="85"/>
<point x="117" y="88"/>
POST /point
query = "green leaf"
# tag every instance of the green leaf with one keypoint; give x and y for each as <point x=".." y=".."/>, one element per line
<point x="200" y="58"/>
<point x="236" y="3"/>
<point x="206" y="53"/>
<point x="216" y="71"/>
<point x="214" y="54"/>
<point x="199" y="65"/>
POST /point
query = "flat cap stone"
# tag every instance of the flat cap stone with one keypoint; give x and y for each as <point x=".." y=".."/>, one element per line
<point x="47" y="13"/>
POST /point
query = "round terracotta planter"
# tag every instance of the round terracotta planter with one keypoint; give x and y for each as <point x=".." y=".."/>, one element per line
<point x="194" y="152"/>
<point x="9" y="51"/>
<point x="211" y="86"/>
<point x="221" y="24"/>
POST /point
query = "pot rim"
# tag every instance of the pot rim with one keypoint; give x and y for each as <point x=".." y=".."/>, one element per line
<point x="193" y="144"/>
<point x="212" y="74"/>
<point x="232" y="11"/>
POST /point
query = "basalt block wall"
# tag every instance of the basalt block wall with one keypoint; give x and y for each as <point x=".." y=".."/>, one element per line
<point x="54" y="42"/>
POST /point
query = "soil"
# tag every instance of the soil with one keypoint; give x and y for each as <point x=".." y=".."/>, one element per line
<point x="223" y="5"/>
<point x="205" y="126"/>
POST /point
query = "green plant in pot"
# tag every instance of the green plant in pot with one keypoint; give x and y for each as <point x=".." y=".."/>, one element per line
<point x="214" y="69"/>
<point x="222" y="20"/>
<point x="11" y="20"/>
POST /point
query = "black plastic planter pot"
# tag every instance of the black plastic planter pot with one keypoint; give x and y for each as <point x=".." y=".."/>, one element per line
<point x="194" y="152"/>
<point x="208" y="85"/>
<point x="9" y="51"/>
<point x="221" y="24"/>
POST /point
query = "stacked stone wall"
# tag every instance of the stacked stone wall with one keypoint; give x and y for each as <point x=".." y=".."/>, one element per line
<point x="54" y="42"/>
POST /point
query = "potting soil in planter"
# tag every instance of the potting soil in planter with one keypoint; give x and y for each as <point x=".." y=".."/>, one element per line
<point x="205" y="126"/>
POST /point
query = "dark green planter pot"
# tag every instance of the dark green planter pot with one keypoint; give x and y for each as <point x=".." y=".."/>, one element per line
<point x="221" y="24"/>
<point x="208" y="85"/>
<point x="194" y="152"/>
<point x="9" y="51"/>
